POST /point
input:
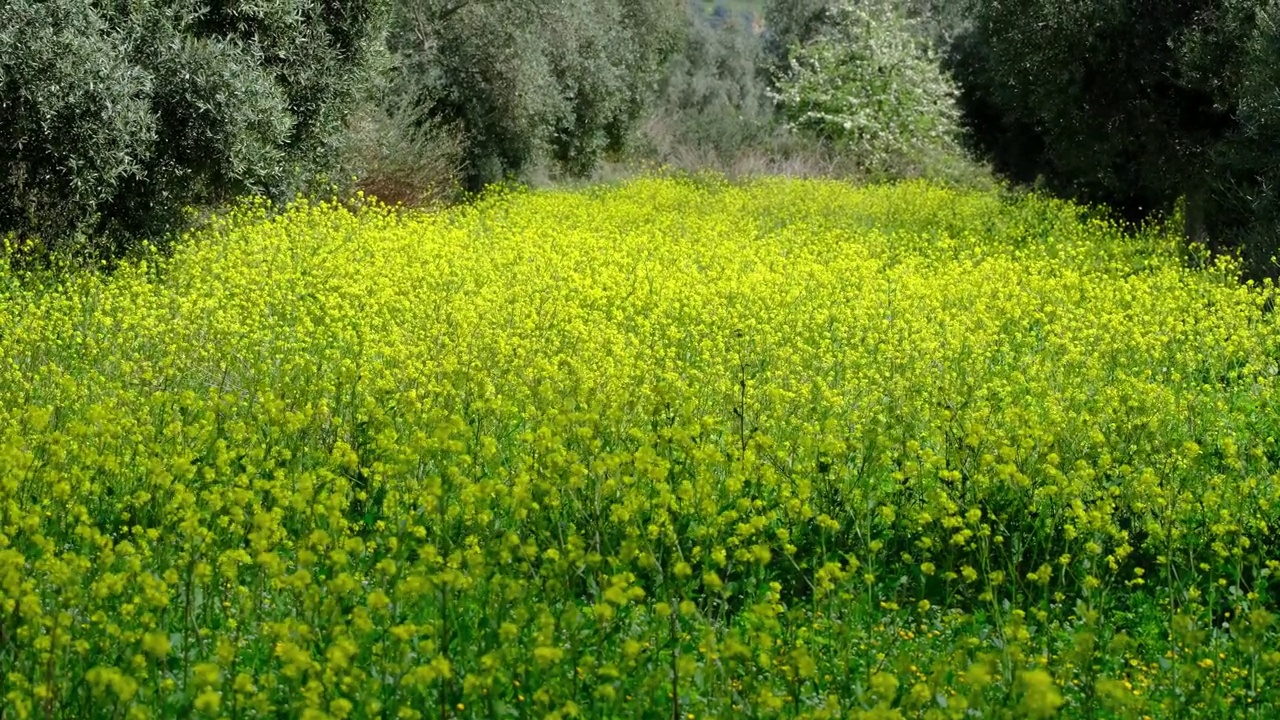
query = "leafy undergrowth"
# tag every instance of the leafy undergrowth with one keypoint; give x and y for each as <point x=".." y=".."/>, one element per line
<point x="670" y="449"/>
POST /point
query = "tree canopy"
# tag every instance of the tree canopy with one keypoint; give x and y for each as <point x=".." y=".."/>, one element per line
<point x="1133" y="104"/>
<point x="116" y="115"/>
<point x="526" y="80"/>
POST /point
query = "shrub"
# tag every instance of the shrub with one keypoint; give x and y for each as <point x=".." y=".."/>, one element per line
<point x="871" y="86"/>
<point x="75" y="119"/>
<point x="391" y="152"/>
<point x="401" y="162"/>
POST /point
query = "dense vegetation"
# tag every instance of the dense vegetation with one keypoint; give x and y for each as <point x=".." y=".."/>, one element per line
<point x="117" y="116"/>
<point x="869" y="86"/>
<point x="117" y="119"/>
<point x="1136" y="105"/>
<point x="707" y="443"/>
<point x="785" y="449"/>
<point x="524" y="81"/>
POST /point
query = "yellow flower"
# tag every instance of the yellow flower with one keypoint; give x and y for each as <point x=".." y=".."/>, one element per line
<point x="884" y="686"/>
<point x="547" y="655"/>
<point x="1040" y="696"/>
<point x="206" y="674"/>
<point x="208" y="701"/>
<point x="156" y="644"/>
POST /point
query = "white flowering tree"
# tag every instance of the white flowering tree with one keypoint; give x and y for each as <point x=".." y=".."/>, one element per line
<point x="871" y="86"/>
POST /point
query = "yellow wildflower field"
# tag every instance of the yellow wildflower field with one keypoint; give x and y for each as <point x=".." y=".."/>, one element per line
<point x="670" y="449"/>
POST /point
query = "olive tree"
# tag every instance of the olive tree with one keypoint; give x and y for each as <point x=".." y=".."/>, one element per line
<point x="115" y="115"/>
<point x="525" y="81"/>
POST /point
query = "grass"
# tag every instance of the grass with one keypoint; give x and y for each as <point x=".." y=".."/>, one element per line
<point x="668" y="449"/>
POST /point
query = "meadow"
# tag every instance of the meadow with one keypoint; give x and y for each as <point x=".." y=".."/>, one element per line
<point x="670" y="449"/>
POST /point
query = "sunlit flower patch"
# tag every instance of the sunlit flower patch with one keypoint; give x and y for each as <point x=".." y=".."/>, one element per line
<point x="668" y="449"/>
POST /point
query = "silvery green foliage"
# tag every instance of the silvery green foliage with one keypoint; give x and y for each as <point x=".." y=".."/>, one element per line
<point x="118" y="115"/>
<point x="531" y="80"/>
<point x="714" y="96"/>
<point x="870" y="85"/>
<point x="75" y="121"/>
